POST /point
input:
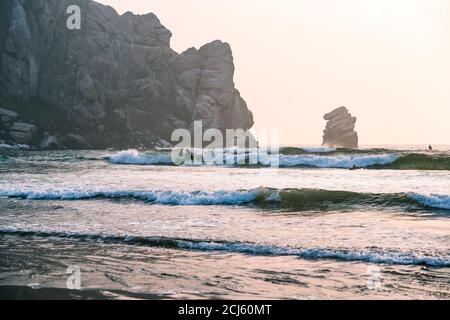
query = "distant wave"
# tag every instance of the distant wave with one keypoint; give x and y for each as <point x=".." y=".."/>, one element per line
<point x="277" y="199"/>
<point x="319" y="150"/>
<point x="135" y="157"/>
<point x="289" y="157"/>
<point x="414" y="161"/>
<point x="371" y="255"/>
<point x="418" y="161"/>
<point x="329" y="150"/>
<point x="370" y="158"/>
<point x="338" y="161"/>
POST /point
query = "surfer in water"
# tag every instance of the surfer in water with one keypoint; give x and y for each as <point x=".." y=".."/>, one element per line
<point x="430" y="148"/>
<point x="354" y="167"/>
<point x="189" y="155"/>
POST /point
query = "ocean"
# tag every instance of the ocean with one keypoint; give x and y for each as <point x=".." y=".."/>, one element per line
<point x="130" y="225"/>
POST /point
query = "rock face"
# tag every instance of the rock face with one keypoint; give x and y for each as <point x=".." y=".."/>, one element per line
<point x="22" y="132"/>
<point x="115" y="82"/>
<point x="340" y="129"/>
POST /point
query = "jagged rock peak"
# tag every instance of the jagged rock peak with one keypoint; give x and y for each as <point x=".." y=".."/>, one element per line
<point x="340" y="129"/>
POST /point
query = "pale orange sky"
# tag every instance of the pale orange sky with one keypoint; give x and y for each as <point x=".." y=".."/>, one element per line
<point x="388" y="61"/>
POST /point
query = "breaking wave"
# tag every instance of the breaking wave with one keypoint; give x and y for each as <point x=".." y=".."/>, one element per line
<point x="418" y="161"/>
<point x="371" y="255"/>
<point x="319" y="150"/>
<point x="135" y="157"/>
<point x="310" y="159"/>
<point x="330" y="150"/>
<point x="156" y="197"/>
<point x="339" y="161"/>
<point x="432" y="201"/>
<point x="274" y="199"/>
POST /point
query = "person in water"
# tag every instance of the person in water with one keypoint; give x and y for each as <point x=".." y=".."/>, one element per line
<point x="430" y="148"/>
<point x="190" y="155"/>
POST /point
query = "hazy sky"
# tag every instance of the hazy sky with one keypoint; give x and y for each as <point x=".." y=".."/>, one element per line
<point x="388" y="61"/>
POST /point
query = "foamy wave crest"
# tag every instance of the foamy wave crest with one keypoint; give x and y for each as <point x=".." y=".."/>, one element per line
<point x="319" y="150"/>
<point x="318" y="161"/>
<point x="279" y="199"/>
<point x="135" y="157"/>
<point x="372" y="255"/>
<point x="157" y="197"/>
<point x="365" y="255"/>
<point x="344" y="161"/>
<point x="433" y="201"/>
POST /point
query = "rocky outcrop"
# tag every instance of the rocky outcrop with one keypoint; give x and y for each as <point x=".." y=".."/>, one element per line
<point x="7" y="115"/>
<point x="114" y="83"/>
<point x="22" y="132"/>
<point x="340" y="129"/>
<point x="207" y="74"/>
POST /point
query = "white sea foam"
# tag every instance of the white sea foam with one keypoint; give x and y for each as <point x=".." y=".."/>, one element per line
<point x="372" y="255"/>
<point x="433" y="201"/>
<point x="367" y="255"/>
<point x="207" y="157"/>
<point x="339" y="161"/>
<point x="185" y="198"/>
<point x="157" y="197"/>
<point x="319" y="150"/>
<point x="319" y="161"/>
<point x="135" y="157"/>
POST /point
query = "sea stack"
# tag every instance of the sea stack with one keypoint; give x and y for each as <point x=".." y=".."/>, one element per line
<point x="340" y="130"/>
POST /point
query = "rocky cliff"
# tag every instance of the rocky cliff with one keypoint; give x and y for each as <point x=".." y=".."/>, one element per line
<point x="113" y="83"/>
<point x="340" y="129"/>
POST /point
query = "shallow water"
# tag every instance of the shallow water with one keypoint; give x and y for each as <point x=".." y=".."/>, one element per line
<point x="162" y="231"/>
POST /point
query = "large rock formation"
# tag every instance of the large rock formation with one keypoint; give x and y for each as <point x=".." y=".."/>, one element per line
<point x="340" y="129"/>
<point x="114" y="83"/>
